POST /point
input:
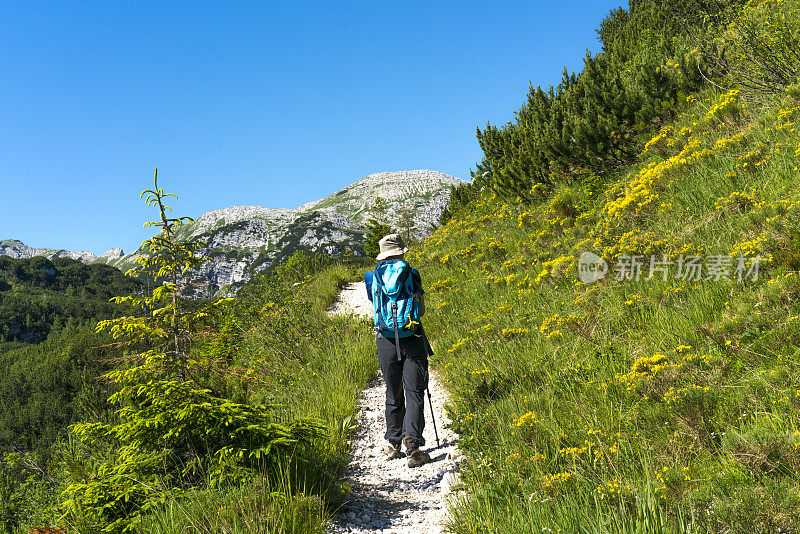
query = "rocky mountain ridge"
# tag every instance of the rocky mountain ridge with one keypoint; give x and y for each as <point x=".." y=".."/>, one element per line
<point x="17" y="249"/>
<point x="243" y="240"/>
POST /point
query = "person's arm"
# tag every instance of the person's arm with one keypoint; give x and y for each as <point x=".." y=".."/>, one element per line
<point x="421" y="299"/>
<point x="368" y="284"/>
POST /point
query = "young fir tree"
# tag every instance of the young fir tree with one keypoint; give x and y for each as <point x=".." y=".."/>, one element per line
<point x="173" y="428"/>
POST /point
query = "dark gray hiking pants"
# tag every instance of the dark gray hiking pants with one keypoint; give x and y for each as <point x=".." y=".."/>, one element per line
<point x="406" y="382"/>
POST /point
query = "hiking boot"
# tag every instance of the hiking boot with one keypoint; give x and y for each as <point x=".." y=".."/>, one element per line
<point x="417" y="457"/>
<point x="392" y="451"/>
<point x="412" y="443"/>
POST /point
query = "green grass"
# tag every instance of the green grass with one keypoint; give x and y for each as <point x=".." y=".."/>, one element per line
<point x="262" y="506"/>
<point x="620" y="405"/>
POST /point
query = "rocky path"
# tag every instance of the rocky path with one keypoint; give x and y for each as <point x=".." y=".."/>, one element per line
<point x="352" y="301"/>
<point x="387" y="496"/>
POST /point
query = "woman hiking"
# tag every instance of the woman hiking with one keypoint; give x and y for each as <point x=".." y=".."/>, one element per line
<point x="395" y="289"/>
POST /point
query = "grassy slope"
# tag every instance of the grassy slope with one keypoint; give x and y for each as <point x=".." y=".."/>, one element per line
<point x="589" y="406"/>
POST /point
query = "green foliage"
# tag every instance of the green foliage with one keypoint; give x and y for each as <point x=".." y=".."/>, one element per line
<point x="219" y="423"/>
<point x="278" y="323"/>
<point x="46" y="387"/>
<point x="462" y="196"/>
<point x="39" y="296"/>
<point x="405" y="224"/>
<point x="173" y="433"/>
<point x="647" y="517"/>
<point x="375" y="232"/>
<point x="26" y="497"/>
<point x="754" y="46"/>
<point x="48" y="376"/>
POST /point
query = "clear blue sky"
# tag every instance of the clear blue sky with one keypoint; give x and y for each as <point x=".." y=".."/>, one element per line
<point x="252" y="103"/>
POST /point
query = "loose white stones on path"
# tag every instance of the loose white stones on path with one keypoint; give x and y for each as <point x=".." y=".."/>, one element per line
<point x="388" y="496"/>
<point x="352" y="301"/>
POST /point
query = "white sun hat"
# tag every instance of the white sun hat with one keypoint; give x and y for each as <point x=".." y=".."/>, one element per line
<point x="391" y="245"/>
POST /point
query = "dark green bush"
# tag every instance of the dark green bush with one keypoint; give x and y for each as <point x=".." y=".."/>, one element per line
<point x="595" y="121"/>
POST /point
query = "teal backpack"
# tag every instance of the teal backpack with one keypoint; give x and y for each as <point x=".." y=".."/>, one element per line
<point x="397" y="311"/>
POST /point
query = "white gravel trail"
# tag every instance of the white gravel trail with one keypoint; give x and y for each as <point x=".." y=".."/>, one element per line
<point x="352" y="300"/>
<point x="388" y="496"/>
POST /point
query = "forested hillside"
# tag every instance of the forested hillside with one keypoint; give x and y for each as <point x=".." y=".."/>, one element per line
<point x="39" y="296"/>
<point x="50" y="361"/>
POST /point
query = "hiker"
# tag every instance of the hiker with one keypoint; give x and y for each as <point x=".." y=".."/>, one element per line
<point x="402" y="352"/>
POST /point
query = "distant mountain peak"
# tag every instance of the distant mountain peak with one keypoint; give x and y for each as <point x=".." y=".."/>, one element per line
<point x="391" y="186"/>
<point x="17" y="249"/>
<point x="242" y="240"/>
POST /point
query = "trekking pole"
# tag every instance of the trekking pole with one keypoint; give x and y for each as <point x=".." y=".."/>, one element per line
<point x="428" y="390"/>
<point x="436" y="432"/>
